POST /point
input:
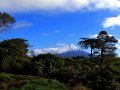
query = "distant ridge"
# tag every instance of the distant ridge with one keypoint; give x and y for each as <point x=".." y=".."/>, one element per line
<point x="65" y="51"/>
<point x="73" y="53"/>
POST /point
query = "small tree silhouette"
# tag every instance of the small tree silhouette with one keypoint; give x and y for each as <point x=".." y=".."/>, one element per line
<point x="6" y="21"/>
<point x="85" y="43"/>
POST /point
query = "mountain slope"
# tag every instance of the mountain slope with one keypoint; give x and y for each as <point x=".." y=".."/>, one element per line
<point x="73" y="53"/>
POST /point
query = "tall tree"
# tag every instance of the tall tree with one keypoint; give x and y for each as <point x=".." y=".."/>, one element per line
<point x="85" y="43"/>
<point x="6" y="21"/>
<point x="106" y="45"/>
<point x="12" y="50"/>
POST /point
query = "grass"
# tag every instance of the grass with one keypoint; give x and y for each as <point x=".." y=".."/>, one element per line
<point x="42" y="84"/>
<point x="25" y="82"/>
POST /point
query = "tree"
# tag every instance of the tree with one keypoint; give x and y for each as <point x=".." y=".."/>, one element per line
<point x="106" y="46"/>
<point x="12" y="50"/>
<point x="85" y="43"/>
<point x="6" y="21"/>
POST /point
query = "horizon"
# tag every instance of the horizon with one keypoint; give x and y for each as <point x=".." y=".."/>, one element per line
<point x="51" y="24"/>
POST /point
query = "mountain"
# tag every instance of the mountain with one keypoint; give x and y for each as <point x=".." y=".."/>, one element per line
<point x="73" y="53"/>
<point x="65" y="51"/>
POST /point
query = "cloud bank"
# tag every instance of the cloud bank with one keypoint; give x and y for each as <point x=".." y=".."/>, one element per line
<point x="61" y="5"/>
<point x="60" y="49"/>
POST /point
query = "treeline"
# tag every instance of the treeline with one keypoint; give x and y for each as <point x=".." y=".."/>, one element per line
<point x="91" y="74"/>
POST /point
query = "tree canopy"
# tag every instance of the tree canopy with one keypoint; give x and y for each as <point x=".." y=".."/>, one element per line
<point x="12" y="50"/>
<point x="6" y="21"/>
<point x="103" y="45"/>
<point x="88" y="42"/>
<point x="106" y="46"/>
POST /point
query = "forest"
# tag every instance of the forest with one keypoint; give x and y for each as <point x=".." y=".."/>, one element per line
<point x="100" y="71"/>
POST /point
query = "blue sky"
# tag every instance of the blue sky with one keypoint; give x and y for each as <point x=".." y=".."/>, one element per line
<point x="54" y="25"/>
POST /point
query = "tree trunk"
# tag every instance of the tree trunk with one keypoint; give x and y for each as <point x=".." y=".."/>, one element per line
<point x="91" y="55"/>
<point x="101" y="57"/>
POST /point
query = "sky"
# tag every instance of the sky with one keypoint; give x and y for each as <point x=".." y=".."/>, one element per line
<point x="56" y="26"/>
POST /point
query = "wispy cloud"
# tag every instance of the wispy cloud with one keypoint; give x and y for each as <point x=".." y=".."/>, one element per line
<point x="60" y="49"/>
<point x="111" y="22"/>
<point x="61" y="5"/>
<point x="22" y="24"/>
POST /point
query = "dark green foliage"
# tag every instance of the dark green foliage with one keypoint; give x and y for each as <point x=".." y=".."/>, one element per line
<point x="27" y="82"/>
<point x="41" y="84"/>
<point x="15" y="47"/>
<point x="88" y="42"/>
<point x="48" y="63"/>
<point x="12" y="52"/>
<point x="106" y="46"/>
<point x="36" y="68"/>
<point x="81" y="71"/>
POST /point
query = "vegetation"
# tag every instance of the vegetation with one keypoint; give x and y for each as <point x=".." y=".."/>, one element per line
<point x="26" y="82"/>
<point x="106" y="46"/>
<point x="88" y="42"/>
<point x="47" y="71"/>
<point x="6" y="21"/>
<point x="13" y="54"/>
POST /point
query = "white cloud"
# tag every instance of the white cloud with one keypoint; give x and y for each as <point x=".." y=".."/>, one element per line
<point x="60" y="49"/>
<point x="27" y="5"/>
<point x="108" y="4"/>
<point x="62" y="5"/>
<point x="22" y="24"/>
<point x="111" y="22"/>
